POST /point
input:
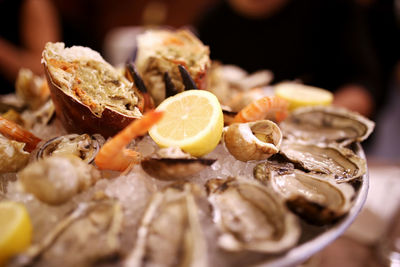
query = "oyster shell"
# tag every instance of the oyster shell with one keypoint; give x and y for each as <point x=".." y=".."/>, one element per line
<point x="332" y="159"/>
<point x="173" y="164"/>
<point x="83" y="146"/>
<point x="327" y="124"/>
<point x="170" y="233"/>
<point x="317" y="198"/>
<point x="251" y="217"/>
<point x="86" y="236"/>
<point x="12" y="155"/>
<point x="253" y="140"/>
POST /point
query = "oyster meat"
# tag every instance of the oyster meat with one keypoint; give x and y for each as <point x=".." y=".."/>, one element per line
<point x="327" y="124"/>
<point x="251" y="217"/>
<point x="253" y="140"/>
<point x="317" y="198"/>
<point x="83" y="146"/>
<point x="332" y="159"/>
<point x="170" y="233"/>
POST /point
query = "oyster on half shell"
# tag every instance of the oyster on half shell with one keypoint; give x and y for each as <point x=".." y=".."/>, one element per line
<point x="169" y="164"/>
<point x="317" y="198"/>
<point x="251" y="217"/>
<point x="170" y="233"/>
<point x="332" y="159"/>
<point x="327" y="124"/>
<point x="88" y="235"/>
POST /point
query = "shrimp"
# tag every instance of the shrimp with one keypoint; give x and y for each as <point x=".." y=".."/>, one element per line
<point x="13" y="131"/>
<point x="114" y="156"/>
<point x="268" y="107"/>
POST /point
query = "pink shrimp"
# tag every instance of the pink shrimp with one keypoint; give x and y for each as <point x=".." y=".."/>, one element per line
<point x="268" y="107"/>
<point x="15" y="132"/>
<point x="114" y="156"/>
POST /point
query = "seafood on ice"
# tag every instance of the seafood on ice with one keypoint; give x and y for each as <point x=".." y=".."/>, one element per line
<point x="96" y="179"/>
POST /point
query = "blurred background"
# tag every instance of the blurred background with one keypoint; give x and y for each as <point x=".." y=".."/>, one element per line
<point x="344" y="46"/>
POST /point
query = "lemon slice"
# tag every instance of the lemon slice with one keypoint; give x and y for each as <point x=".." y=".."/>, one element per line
<point x="192" y="120"/>
<point x="300" y="95"/>
<point x="15" y="229"/>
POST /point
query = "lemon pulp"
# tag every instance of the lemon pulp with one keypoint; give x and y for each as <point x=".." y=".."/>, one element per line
<point x="300" y="95"/>
<point x="192" y="120"/>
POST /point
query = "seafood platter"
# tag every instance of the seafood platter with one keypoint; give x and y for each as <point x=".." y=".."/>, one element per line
<point x="172" y="160"/>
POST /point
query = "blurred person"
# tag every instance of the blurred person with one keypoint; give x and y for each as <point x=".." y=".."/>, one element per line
<point x="25" y="27"/>
<point x="383" y="26"/>
<point x="321" y="43"/>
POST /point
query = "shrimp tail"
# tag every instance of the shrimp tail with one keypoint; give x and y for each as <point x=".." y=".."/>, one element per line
<point x="114" y="156"/>
<point x="15" y="132"/>
<point x="268" y="107"/>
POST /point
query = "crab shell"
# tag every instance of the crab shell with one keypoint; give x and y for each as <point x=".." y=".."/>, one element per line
<point x="256" y="140"/>
<point x="77" y="117"/>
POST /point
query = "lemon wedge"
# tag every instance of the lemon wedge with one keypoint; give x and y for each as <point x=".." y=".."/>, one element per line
<point x="15" y="229"/>
<point x="300" y="95"/>
<point x="192" y="121"/>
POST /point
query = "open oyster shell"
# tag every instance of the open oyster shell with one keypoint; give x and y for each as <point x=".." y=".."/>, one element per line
<point x="83" y="146"/>
<point x="84" y="237"/>
<point x="327" y="124"/>
<point x="172" y="163"/>
<point x="160" y="245"/>
<point x="317" y="198"/>
<point x="253" y="140"/>
<point x="331" y="159"/>
<point x="251" y="217"/>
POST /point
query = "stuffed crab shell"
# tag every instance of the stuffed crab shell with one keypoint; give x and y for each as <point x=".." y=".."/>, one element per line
<point x="159" y="54"/>
<point x="90" y="95"/>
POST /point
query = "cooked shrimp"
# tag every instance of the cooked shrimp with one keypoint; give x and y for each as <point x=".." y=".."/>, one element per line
<point x="269" y="107"/>
<point x="114" y="156"/>
<point x="15" y="132"/>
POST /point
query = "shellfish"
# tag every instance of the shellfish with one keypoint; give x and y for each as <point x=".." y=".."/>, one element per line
<point x="173" y="164"/>
<point x="162" y="51"/>
<point x="251" y="217"/>
<point x="327" y="124"/>
<point x="83" y="146"/>
<point x="90" y="96"/>
<point x="332" y="159"/>
<point x="317" y="198"/>
<point x="159" y="245"/>
<point x="88" y="235"/>
<point x="253" y="140"/>
<point x="56" y="179"/>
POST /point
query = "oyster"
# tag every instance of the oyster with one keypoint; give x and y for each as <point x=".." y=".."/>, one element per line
<point x="317" y="198"/>
<point x="56" y="179"/>
<point x="327" y="124"/>
<point x="86" y="236"/>
<point x="170" y="233"/>
<point x="173" y="164"/>
<point x="83" y="146"/>
<point x="332" y="159"/>
<point x="251" y="217"/>
<point x="253" y="140"/>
